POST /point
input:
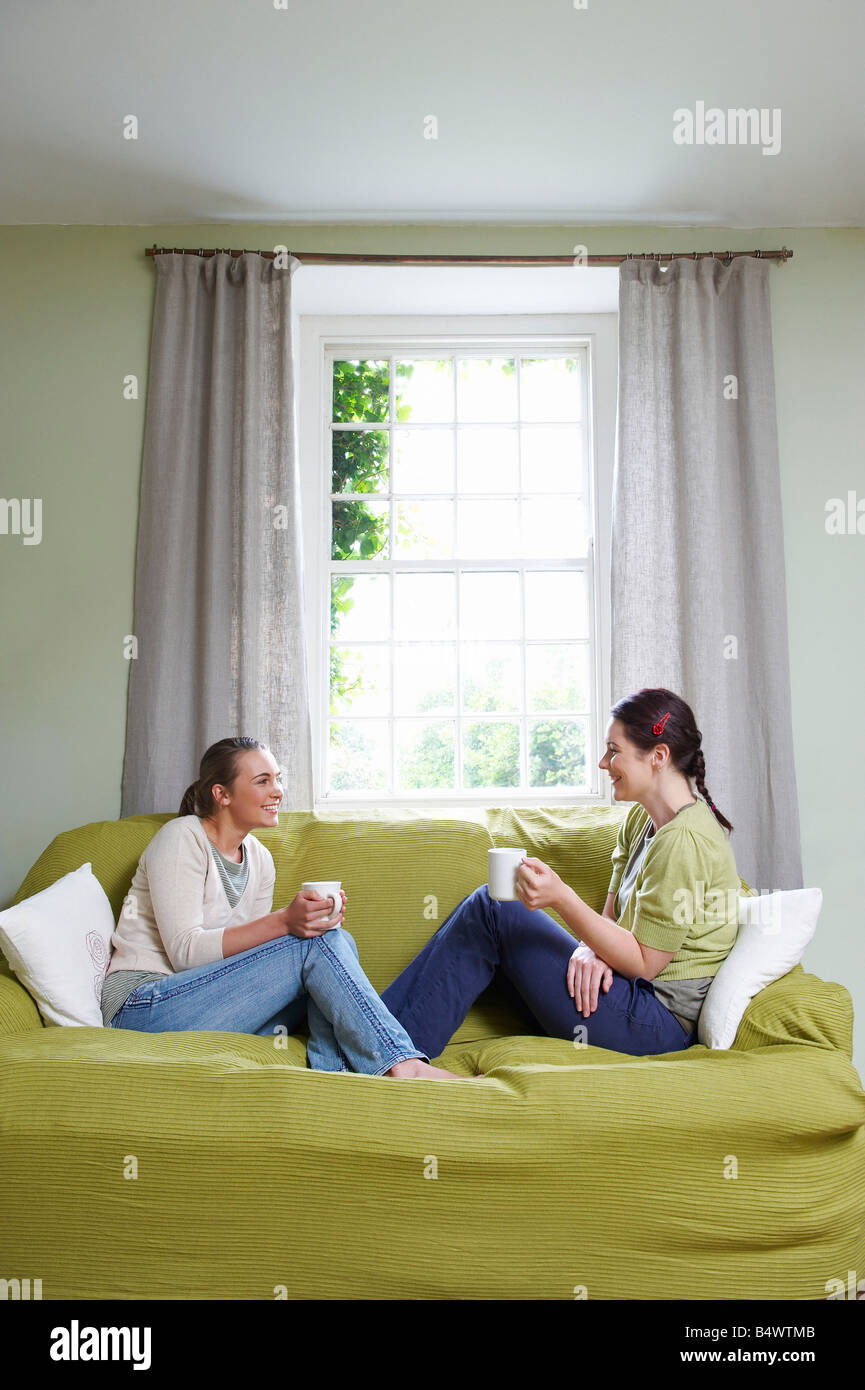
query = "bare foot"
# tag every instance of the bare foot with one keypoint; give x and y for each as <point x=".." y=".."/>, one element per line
<point x="418" y="1070"/>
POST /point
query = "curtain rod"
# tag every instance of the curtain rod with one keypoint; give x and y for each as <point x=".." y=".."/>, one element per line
<point x="362" y="258"/>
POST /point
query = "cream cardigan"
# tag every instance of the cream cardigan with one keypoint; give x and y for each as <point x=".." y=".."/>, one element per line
<point x="176" y="911"/>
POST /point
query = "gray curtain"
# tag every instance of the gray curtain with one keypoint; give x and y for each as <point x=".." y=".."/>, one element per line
<point x="698" y="587"/>
<point x="218" y="603"/>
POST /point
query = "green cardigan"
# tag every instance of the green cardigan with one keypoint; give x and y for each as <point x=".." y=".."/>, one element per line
<point x="686" y="895"/>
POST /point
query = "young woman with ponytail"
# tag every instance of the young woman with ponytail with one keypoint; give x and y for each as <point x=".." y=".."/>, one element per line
<point x="637" y="980"/>
<point x="199" y="946"/>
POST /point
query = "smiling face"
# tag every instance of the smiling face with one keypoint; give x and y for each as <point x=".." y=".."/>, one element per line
<point x="629" y="767"/>
<point x="254" y="797"/>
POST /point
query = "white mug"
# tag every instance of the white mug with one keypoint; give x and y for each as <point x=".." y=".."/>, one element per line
<point x="325" y="888"/>
<point x="503" y="865"/>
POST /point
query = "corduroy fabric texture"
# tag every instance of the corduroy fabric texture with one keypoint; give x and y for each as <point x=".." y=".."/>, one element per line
<point x="562" y="1168"/>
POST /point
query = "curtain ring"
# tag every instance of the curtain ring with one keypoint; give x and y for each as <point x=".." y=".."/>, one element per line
<point x="758" y="254"/>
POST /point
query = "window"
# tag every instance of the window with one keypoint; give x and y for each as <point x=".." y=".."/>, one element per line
<point x="454" y="569"/>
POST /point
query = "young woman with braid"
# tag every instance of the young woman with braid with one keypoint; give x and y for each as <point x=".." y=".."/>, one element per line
<point x="644" y="964"/>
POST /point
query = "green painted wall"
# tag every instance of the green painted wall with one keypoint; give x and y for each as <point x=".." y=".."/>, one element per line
<point x="75" y="304"/>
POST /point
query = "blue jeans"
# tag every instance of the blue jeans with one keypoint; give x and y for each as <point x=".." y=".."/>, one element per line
<point x="280" y="983"/>
<point x="530" y="952"/>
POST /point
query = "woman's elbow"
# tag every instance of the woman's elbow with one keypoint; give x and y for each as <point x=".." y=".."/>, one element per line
<point x="654" y="961"/>
<point x="188" y="953"/>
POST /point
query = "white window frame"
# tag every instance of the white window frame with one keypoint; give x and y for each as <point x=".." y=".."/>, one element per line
<point x="316" y="335"/>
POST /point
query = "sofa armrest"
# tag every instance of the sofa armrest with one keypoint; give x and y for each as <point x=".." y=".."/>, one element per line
<point x="798" y="1008"/>
<point x="18" y="1013"/>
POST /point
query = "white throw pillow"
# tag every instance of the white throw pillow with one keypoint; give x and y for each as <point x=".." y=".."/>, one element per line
<point x="58" y="943"/>
<point x="774" y="929"/>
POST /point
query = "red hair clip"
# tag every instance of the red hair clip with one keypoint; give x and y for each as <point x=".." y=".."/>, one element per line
<point x="659" y="727"/>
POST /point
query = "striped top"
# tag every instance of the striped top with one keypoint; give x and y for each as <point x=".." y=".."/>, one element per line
<point x="118" y="986"/>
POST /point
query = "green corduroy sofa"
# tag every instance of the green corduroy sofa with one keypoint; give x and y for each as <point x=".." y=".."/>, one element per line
<point x="564" y="1173"/>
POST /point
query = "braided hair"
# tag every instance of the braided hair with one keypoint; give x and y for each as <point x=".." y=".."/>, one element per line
<point x="653" y="715"/>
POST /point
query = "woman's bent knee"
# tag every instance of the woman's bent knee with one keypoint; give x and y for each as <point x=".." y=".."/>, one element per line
<point x="339" y="934"/>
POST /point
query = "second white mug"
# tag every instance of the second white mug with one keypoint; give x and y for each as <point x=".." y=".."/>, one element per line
<point x="326" y="888"/>
<point x="503" y="865"/>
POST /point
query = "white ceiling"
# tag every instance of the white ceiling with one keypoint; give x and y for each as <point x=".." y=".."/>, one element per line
<point x="547" y="113"/>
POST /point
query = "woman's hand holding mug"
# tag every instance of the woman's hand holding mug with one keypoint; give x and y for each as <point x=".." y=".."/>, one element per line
<point x="586" y="973"/>
<point x="307" y="914"/>
<point x="537" y="884"/>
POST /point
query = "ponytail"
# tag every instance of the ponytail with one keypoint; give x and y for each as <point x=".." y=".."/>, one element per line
<point x="218" y="766"/>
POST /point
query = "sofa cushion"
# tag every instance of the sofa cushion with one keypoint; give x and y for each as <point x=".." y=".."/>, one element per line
<point x="403" y="873"/>
<point x="18" y="1011"/>
<point x="275" y="1176"/>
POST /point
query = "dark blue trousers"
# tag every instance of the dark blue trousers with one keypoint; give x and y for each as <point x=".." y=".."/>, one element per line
<point x="528" y="953"/>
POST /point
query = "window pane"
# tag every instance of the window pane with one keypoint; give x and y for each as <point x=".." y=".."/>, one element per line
<point x="359" y="530"/>
<point x="552" y="458"/>
<point x="488" y="530"/>
<point x="425" y="679"/>
<point x="358" y="756"/>
<point x="360" y="391"/>
<point x="424" y="754"/>
<point x="557" y="677"/>
<point x="490" y="605"/>
<point x="557" y="753"/>
<point x="424" y="530"/>
<point x="446" y="678"/>
<point x="553" y="528"/>
<point x="424" y="606"/>
<point x="359" y="461"/>
<point x="550" y="388"/>
<point x="423" y="460"/>
<point x="360" y="607"/>
<point x="424" y="391"/>
<point x="556" y="604"/>
<point x="491" y="677"/>
<point x="360" y="680"/>
<point x="487" y="389"/>
<point x="491" y="754"/>
<point x="487" y="460"/>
